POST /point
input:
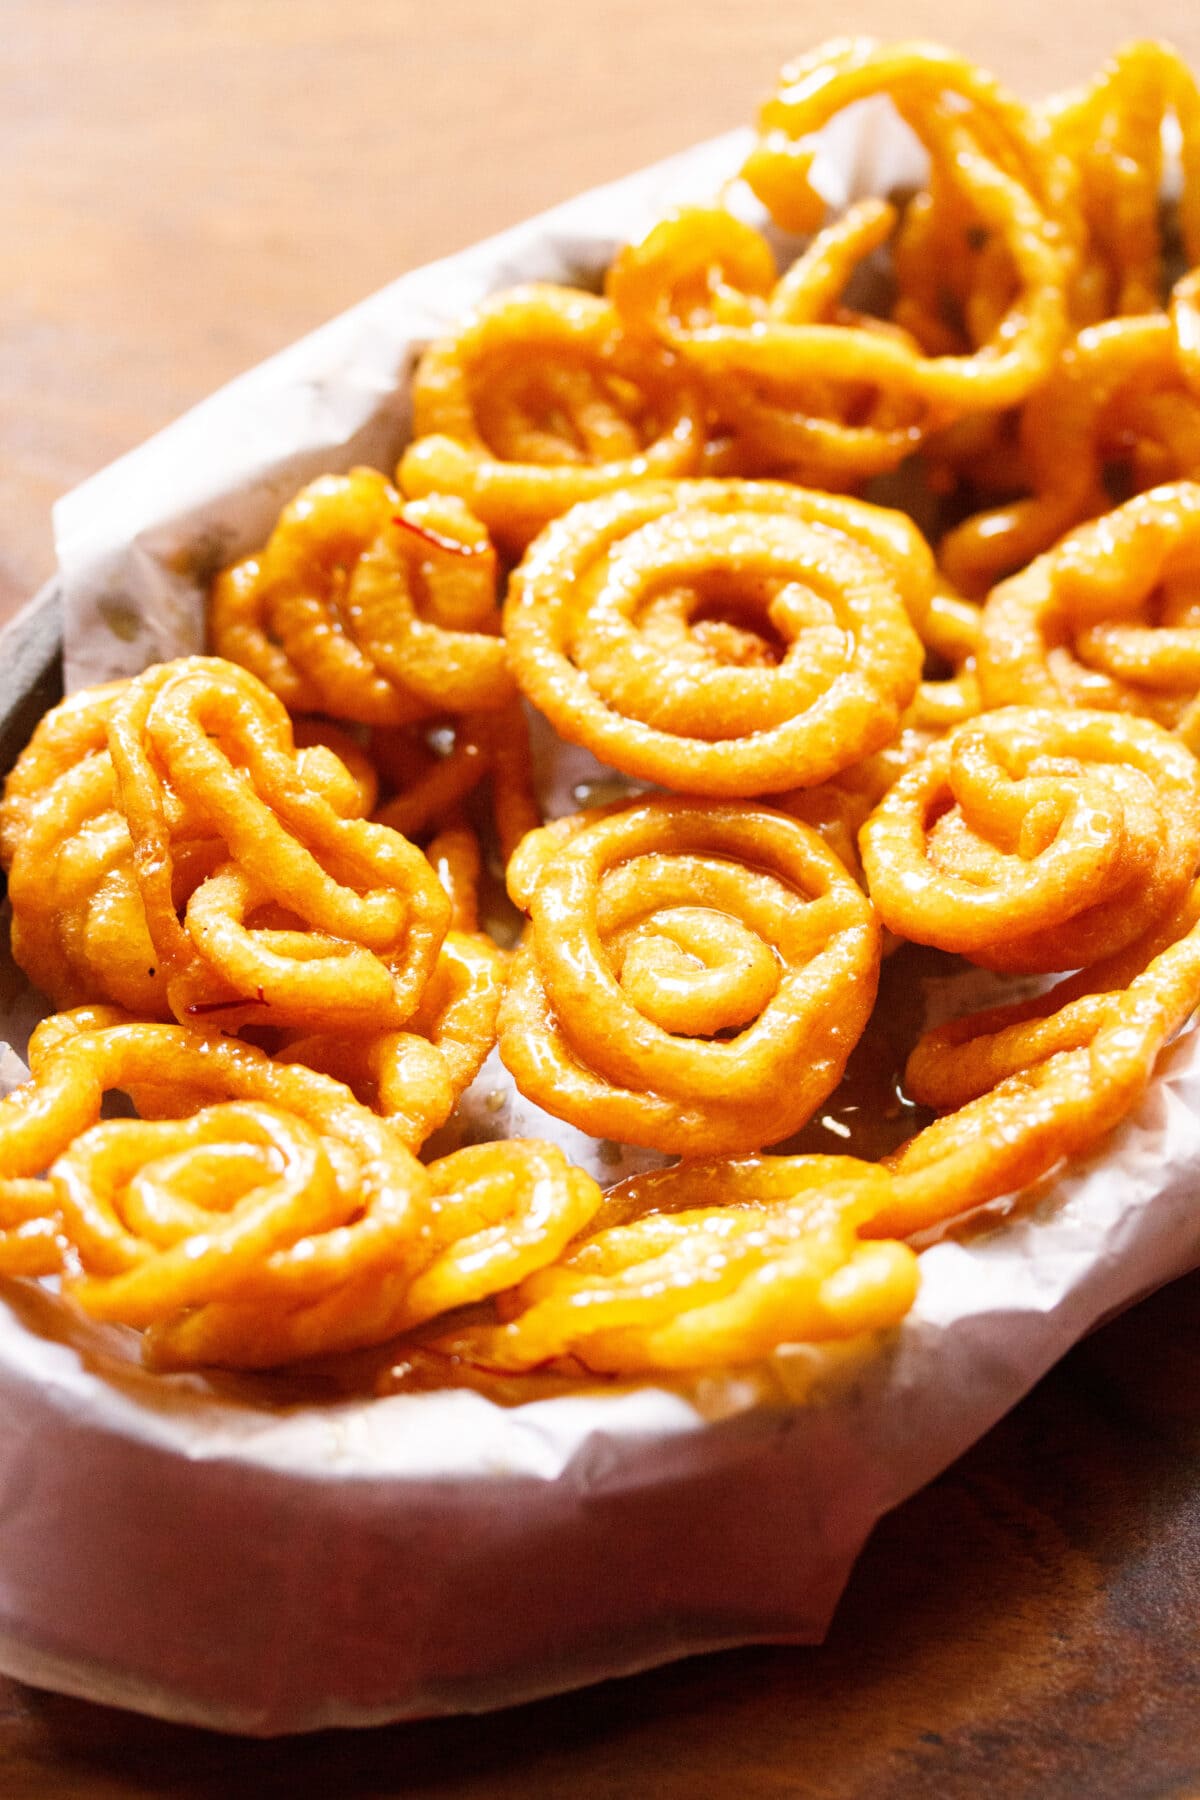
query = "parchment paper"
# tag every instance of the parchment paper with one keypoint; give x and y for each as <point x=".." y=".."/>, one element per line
<point x="211" y="1554"/>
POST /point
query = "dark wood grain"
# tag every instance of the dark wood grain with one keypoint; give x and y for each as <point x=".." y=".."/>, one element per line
<point x="188" y="187"/>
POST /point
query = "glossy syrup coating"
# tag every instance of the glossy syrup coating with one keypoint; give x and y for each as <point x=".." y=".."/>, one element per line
<point x="365" y="608"/>
<point x="1110" y="618"/>
<point x="693" y="977"/>
<point x="540" y="400"/>
<point x="1033" y="840"/>
<point x="727" y="638"/>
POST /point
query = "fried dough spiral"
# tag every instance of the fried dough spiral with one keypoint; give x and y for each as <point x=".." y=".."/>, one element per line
<point x="1111" y="134"/>
<point x="78" y="925"/>
<point x="710" y="1264"/>
<point x="1064" y="1090"/>
<point x="720" y="637"/>
<point x="1109" y="619"/>
<point x="308" y="917"/>
<point x="295" y="911"/>
<point x="281" y="1118"/>
<point x="367" y="609"/>
<point x="496" y="1211"/>
<point x="1124" y="395"/>
<point x="1031" y="840"/>
<point x="540" y="400"/>
<point x="701" y="276"/>
<point x="693" y="977"/>
<point x="989" y="232"/>
<point x="963" y="1059"/>
<point x="266" y="1216"/>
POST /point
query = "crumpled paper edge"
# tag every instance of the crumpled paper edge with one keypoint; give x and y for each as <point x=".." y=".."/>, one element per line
<point x="263" y="1570"/>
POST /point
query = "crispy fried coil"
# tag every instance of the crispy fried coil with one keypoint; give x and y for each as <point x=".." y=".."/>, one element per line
<point x="415" y="1077"/>
<point x="496" y="1213"/>
<point x="721" y="637"/>
<point x="693" y="976"/>
<point x="963" y="1059"/>
<point x="1126" y="393"/>
<point x="995" y="234"/>
<point x="1032" y="840"/>
<point x="78" y="925"/>
<point x="540" y="400"/>
<point x="321" y="1159"/>
<point x="1070" y="1083"/>
<point x="1109" y="619"/>
<point x="1111" y="134"/>
<point x="711" y="1263"/>
<point x="365" y="608"/>
<point x="701" y="272"/>
<point x="309" y="916"/>
<point x="264" y="1214"/>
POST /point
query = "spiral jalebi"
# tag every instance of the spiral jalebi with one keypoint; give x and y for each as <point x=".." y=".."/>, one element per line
<point x="693" y="977"/>
<point x="994" y="232"/>
<point x="727" y="638"/>
<point x="365" y="608"/>
<point x="540" y="400"/>
<point x="1109" y="619"/>
<point x="709" y="1264"/>
<point x="1033" y="840"/>
<point x="1125" y="394"/>
<point x="701" y="274"/>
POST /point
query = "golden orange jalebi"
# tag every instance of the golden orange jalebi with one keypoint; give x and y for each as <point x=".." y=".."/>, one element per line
<point x="415" y="1077"/>
<point x="117" y="844"/>
<point x="701" y="272"/>
<point x="269" y="1216"/>
<point x="365" y="608"/>
<point x="1126" y="394"/>
<point x="710" y="1264"/>
<point x="310" y="916"/>
<point x="693" y="976"/>
<point x="1109" y="619"/>
<point x="993" y="238"/>
<point x="957" y="1062"/>
<point x="1032" y="841"/>
<point x="495" y="1212"/>
<point x="540" y="400"/>
<point x="78" y="925"/>
<point x="728" y="638"/>
<point x="1069" y="1086"/>
<point x="76" y="1059"/>
<point x="1111" y="134"/>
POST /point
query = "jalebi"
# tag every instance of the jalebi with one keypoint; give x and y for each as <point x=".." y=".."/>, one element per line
<point x="710" y="1264"/>
<point x="1110" y="618"/>
<point x="540" y="400"/>
<point x="1034" y="840"/>
<point x="693" y="976"/>
<point x="366" y="608"/>
<point x="727" y="638"/>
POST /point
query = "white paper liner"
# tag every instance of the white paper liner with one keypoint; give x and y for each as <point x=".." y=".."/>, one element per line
<point x="209" y="1557"/>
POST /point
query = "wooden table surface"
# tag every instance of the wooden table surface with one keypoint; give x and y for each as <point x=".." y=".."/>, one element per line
<point x="188" y="187"/>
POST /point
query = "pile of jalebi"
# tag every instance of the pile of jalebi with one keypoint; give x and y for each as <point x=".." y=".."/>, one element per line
<point x="265" y="884"/>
